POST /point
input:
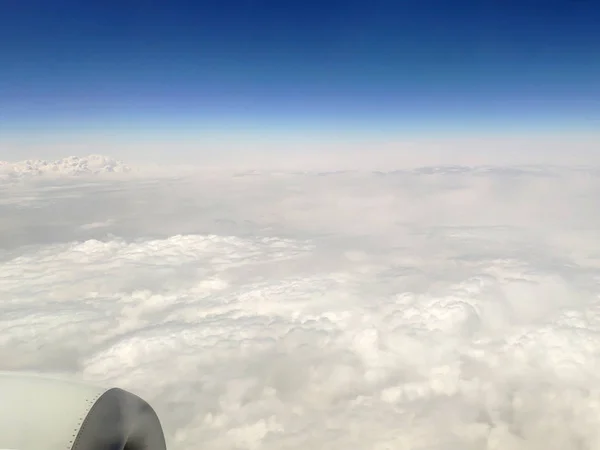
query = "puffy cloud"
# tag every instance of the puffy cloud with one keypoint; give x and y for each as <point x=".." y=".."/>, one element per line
<point x="436" y="308"/>
<point x="72" y="165"/>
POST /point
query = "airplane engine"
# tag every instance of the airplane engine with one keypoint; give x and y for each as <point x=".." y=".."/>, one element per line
<point x="49" y="413"/>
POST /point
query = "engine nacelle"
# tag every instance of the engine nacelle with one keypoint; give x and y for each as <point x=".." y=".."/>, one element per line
<point x="48" y="413"/>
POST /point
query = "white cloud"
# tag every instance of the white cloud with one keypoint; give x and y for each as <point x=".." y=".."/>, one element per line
<point x="237" y="148"/>
<point x="72" y="165"/>
<point x="440" y="309"/>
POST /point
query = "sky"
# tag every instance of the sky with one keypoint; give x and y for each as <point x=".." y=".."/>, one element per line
<point x="454" y="308"/>
<point x="221" y="80"/>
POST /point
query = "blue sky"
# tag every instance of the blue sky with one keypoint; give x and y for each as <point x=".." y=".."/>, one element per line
<point x="201" y="72"/>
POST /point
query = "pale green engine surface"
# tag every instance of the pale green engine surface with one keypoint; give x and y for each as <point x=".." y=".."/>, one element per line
<point x="42" y="413"/>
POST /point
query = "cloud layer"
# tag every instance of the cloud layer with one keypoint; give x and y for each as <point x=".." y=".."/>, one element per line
<point x="440" y="308"/>
<point x="70" y="166"/>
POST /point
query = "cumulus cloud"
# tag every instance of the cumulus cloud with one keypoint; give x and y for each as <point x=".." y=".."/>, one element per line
<point x="435" y="308"/>
<point x="70" y="166"/>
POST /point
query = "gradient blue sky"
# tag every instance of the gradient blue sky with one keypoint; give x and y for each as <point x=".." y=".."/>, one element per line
<point x="210" y="75"/>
